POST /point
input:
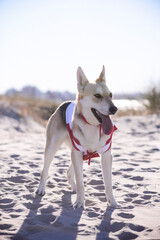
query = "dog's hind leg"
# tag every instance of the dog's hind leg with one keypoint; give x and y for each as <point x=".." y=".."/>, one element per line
<point x="71" y="177"/>
<point x="50" y="151"/>
<point x="55" y="136"/>
<point x="70" y="172"/>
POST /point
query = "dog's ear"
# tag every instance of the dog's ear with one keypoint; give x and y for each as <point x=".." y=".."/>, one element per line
<point x="102" y="77"/>
<point x="82" y="81"/>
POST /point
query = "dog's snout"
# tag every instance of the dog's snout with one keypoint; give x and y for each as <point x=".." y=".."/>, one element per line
<point x="113" y="109"/>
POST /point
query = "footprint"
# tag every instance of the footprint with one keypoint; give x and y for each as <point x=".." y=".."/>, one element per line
<point x="116" y="226"/>
<point x="116" y="173"/>
<point x="147" y="170"/>
<point x="149" y="192"/>
<point x="133" y="153"/>
<point x="40" y="152"/>
<point x="14" y="216"/>
<point x="36" y="174"/>
<point x="6" y="200"/>
<point x="102" y="199"/>
<point x="136" y="228"/>
<point x="32" y="165"/>
<point x="99" y="187"/>
<point x="146" y="197"/>
<point x="137" y="201"/>
<point x="127" y="169"/>
<point x="37" y="158"/>
<point x="129" y="186"/>
<point x="127" y="235"/>
<point x="14" y="155"/>
<point x="95" y="182"/>
<point x="6" y="203"/>
<point x="132" y="195"/>
<point x="5" y="226"/>
<point x="155" y="149"/>
<point x="134" y="164"/>
<point x="18" y="179"/>
<point x="137" y="178"/>
<point x="98" y="194"/>
<point x="126" y="176"/>
<point x="92" y="214"/>
<point x="126" y="215"/>
<point x="23" y="171"/>
<point x="121" y="160"/>
<point x="128" y="199"/>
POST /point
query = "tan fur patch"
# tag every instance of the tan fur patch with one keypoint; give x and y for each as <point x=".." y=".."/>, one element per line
<point x="100" y="80"/>
<point x="99" y="87"/>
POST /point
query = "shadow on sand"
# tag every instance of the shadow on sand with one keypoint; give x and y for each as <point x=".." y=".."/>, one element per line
<point x="41" y="223"/>
<point x="105" y="227"/>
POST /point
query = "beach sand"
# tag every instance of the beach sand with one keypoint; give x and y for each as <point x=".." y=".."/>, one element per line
<point x="136" y="183"/>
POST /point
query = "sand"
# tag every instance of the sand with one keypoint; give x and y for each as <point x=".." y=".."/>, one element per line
<point x="136" y="182"/>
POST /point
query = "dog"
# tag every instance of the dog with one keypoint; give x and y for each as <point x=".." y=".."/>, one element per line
<point x="86" y="127"/>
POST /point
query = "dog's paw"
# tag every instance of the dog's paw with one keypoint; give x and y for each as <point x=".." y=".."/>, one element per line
<point x="40" y="193"/>
<point x="41" y="190"/>
<point x="113" y="203"/>
<point x="78" y="205"/>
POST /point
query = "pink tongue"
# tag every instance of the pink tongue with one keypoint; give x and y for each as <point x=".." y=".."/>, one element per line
<point x="106" y="124"/>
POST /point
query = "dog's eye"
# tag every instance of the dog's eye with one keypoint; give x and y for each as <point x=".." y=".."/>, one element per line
<point x="97" y="95"/>
<point x="110" y="95"/>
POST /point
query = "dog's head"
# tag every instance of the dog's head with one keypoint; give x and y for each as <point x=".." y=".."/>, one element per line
<point x="95" y="99"/>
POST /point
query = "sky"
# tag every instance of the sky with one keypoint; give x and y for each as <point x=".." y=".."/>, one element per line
<point x="42" y="43"/>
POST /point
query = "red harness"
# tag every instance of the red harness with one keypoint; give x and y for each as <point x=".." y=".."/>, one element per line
<point x="75" y="142"/>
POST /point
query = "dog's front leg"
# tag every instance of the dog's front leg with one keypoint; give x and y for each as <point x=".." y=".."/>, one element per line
<point x="77" y="160"/>
<point x="106" y="161"/>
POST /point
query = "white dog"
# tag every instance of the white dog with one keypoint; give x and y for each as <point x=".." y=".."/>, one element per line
<point x="86" y="127"/>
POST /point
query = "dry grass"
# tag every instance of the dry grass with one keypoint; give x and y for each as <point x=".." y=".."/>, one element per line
<point x="39" y="109"/>
<point x="153" y="97"/>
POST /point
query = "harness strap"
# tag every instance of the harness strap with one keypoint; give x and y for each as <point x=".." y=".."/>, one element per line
<point x="75" y="142"/>
<point x="100" y="126"/>
<point x="84" y="119"/>
<point x="89" y="156"/>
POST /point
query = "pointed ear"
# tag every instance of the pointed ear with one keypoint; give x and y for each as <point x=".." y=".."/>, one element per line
<point x="102" y="77"/>
<point x="82" y="81"/>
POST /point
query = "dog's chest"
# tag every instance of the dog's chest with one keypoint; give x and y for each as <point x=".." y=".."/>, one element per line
<point x="90" y="137"/>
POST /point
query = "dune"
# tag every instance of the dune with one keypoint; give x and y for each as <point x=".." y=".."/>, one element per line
<point x="136" y="182"/>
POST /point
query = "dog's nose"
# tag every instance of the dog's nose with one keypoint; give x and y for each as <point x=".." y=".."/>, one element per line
<point x="113" y="109"/>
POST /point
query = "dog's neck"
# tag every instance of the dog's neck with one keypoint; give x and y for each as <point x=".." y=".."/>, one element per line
<point x="85" y="120"/>
<point x="80" y="114"/>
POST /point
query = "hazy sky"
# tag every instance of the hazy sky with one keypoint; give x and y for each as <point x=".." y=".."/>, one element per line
<point x="42" y="42"/>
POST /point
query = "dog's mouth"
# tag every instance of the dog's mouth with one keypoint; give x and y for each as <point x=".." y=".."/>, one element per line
<point x="104" y="120"/>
